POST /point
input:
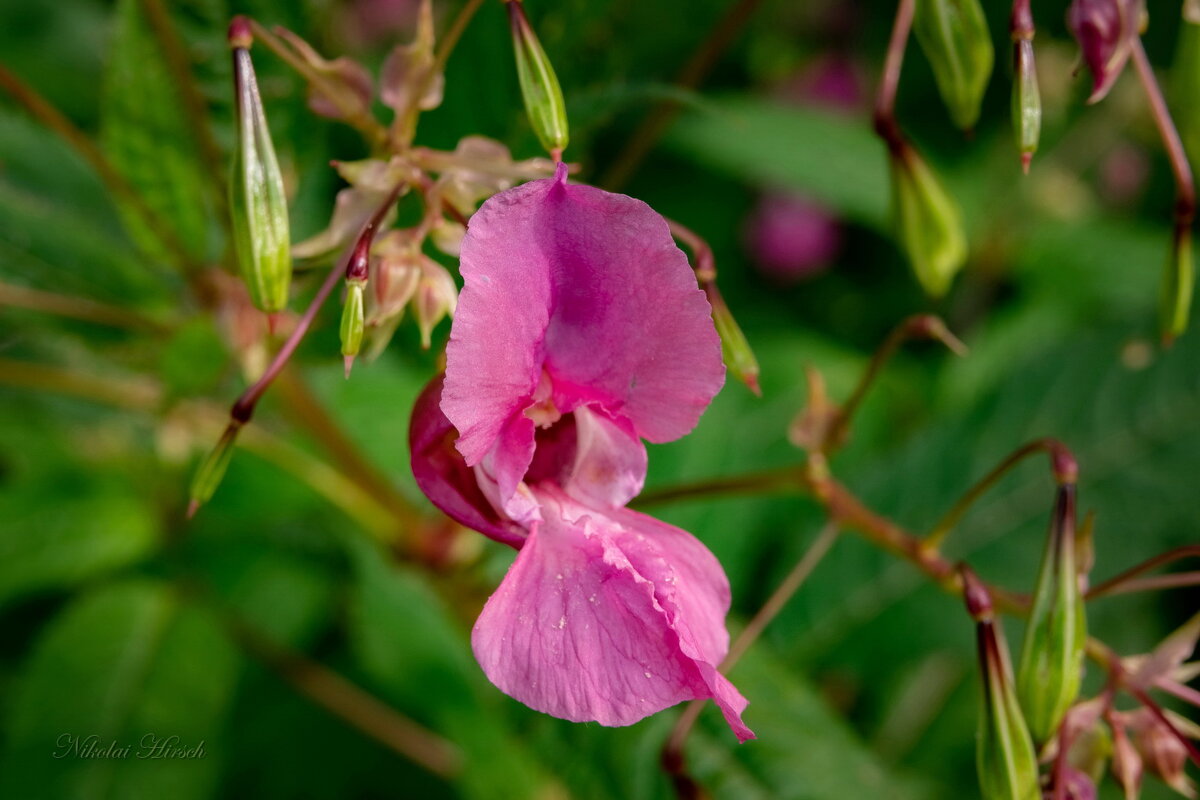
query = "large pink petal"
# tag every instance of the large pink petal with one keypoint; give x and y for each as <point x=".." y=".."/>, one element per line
<point x="577" y="631"/>
<point x="590" y="287"/>
<point x="445" y="478"/>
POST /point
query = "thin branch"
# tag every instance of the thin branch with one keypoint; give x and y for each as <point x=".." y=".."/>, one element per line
<point x="80" y="308"/>
<point x="354" y="116"/>
<point x="45" y="113"/>
<point x="1114" y="584"/>
<point x="1062" y="465"/>
<point x="450" y="38"/>
<point x="673" y="757"/>
<point x="766" y="481"/>
<point x="701" y="62"/>
<point x="919" y="326"/>
<point x="1185" y="186"/>
<point x="144" y="396"/>
<point x="345" y="700"/>
<point x="306" y="410"/>
<point x="889" y="81"/>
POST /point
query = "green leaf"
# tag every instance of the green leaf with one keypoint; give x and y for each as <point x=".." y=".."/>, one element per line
<point x="833" y="157"/>
<point x="405" y="639"/>
<point x="148" y="137"/>
<point x="130" y="665"/>
<point x="56" y="535"/>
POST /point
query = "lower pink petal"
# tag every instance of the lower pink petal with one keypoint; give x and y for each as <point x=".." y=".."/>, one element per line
<point x="577" y="631"/>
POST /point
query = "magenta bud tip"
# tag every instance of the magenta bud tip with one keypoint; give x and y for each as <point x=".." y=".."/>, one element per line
<point x="349" y="363"/>
<point x="273" y="322"/>
<point x="1066" y="468"/>
<point x="1026" y="160"/>
<point x="752" y="383"/>
<point x="193" y="507"/>
<point x="978" y="600"/>
<point x="239" y="32"/>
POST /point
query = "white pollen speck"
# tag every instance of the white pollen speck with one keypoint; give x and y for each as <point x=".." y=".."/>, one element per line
<point x="592" y="599"/>
<point x="558" y="577"/>
<point x="562" y="623"/>
<point x="648" y="675"/>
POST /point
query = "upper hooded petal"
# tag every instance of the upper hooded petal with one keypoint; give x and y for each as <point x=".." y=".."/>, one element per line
<point x="589" y="287"/>
<point x="577" y="630"/>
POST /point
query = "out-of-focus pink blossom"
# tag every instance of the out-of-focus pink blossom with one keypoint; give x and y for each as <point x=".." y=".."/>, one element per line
<point x="580" y="332"/>
<point x="792" y="237"/>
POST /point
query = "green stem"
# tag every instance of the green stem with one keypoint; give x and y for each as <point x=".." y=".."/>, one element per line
<point x="722" y="34"/>
<point x="80" y="308"/>
<point x="1063" y="467"/>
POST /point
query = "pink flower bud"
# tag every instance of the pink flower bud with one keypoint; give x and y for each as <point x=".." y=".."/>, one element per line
<point x="1105" y="31"/>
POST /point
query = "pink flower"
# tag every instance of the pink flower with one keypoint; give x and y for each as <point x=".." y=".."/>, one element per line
<point x="580" y="332"/>
<point x="1106" y="31"/>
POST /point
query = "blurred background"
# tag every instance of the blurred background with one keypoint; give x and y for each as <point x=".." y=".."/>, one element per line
<point x="294" y="611"/>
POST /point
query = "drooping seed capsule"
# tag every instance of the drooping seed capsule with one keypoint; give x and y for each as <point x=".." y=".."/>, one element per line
<point x="544" y="104"/>
<point x="955" y="38"/>
<point x="1051" y="666"/>
<point x="1026" y="98"/>
<point x="257" y="202"/>
<point x="1179" y="280"/>
<point x="1005" y="757"/>
<point x="1105" y="30"/>
<point x="211" y="472"/>
<point x="928" y="222"/>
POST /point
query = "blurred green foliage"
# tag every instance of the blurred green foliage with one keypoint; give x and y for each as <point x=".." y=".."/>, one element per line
<point x="116" y="614"/>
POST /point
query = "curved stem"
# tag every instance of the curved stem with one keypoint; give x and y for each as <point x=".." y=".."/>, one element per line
<point x="450" y="39"/>
<point x="1062" y="464"/>
<point x="1117" y="583"/>
<point x="673" y="758"/>
<point x="919" y="326"/>
<point x="81" y="308"/>
<point x="701" y="62"/>
<point x="889" y="81"/>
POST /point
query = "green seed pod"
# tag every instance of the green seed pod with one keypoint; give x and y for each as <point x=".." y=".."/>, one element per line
<point x="735" y="348"/>
<point x="352" y="322"/>
<point x="1005" y="758"/>
<point x="1051" y="666"/>
<point x="1178" y="284"/>
<point x="928" y="222"/>
<point x="257" y="202"/>
<point x="212" y="469"/>
<point x="543" y="97"/>
<point x="955" y="38"/>
<point x="1026" y="101"/>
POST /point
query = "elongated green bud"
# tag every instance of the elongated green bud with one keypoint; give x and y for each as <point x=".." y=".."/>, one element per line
<point x="256" y="199"/>
<point x="955" y="38"/>
<point x="543" y="97"/>
<point x="1051" y="666"/>
<point x="1005" y="758"/>
<point x="352" y="322"/>
<point x="212" y="469"/>
<point x="1179" y="280"/>
<point x="928" y="222"/>
<point x="1026" y="98"/>
<point x="735" y="348"/>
